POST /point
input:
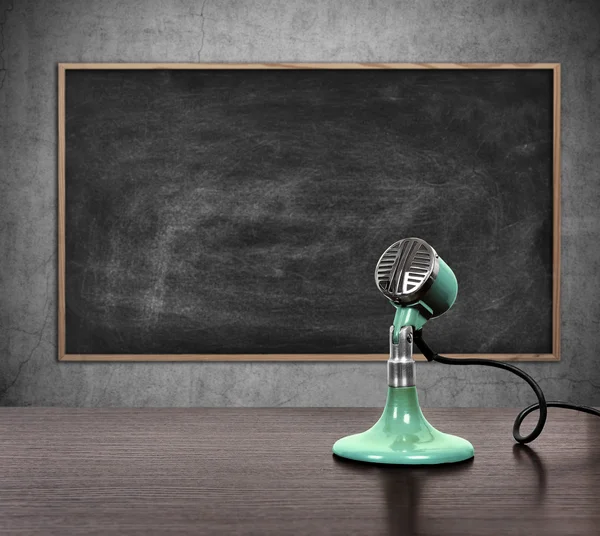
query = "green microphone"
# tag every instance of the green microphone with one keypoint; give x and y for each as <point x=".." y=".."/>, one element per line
<point x="414" y="278"/>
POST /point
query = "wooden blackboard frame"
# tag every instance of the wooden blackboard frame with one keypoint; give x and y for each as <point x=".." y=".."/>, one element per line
<point x="64" y="67"/>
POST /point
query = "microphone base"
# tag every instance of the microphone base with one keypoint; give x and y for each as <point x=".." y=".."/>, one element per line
<point x="403" y="436"/>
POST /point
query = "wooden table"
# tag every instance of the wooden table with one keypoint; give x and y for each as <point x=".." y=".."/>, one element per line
<point x="271" y="471"/>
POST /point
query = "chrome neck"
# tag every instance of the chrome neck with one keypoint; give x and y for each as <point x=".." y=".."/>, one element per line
<point x="401" y="366"/>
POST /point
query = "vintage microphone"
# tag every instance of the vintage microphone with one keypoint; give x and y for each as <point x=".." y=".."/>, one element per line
<point x="422" y="286"/>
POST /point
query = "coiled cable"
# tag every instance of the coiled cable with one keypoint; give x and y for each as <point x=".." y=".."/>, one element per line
<point x="542" y="405"/>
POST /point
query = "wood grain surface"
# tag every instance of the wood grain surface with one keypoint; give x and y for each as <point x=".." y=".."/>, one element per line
<point x="271" y="471"/>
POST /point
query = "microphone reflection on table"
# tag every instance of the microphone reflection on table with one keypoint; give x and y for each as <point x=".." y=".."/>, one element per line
<point x="405" y="485"/>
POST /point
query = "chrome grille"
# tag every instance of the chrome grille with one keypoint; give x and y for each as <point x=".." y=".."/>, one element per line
<point x="404" y="268"/>
<point x="418" y="270"/>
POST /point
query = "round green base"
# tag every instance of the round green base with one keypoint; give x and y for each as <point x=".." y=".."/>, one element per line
<point x="402" y="435"/>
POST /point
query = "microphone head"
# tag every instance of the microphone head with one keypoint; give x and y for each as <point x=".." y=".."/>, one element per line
<point x="407" y="270"/>
<point x="411" y="273"/>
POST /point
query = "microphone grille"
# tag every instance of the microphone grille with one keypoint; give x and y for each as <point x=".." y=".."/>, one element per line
<point x="404" y="269"/>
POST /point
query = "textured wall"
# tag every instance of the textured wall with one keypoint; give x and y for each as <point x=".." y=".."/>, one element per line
<point x="37" y="35"/>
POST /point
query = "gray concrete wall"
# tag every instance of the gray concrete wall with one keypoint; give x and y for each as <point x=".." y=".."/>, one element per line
<point x="38" y="34"/>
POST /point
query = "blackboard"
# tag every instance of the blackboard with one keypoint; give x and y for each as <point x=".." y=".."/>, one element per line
<point x="238" y="212"/>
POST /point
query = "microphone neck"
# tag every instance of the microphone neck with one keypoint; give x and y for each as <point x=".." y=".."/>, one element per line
<point x="412" y="315"/>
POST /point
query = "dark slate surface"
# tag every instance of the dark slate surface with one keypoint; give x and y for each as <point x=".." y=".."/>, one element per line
<point x="244" y="211"/>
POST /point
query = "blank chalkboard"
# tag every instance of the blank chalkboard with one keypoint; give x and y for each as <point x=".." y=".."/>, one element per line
<point x="213" y="212"/>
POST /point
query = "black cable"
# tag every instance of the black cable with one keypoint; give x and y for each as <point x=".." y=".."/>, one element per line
<point x="541" y="404"/>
